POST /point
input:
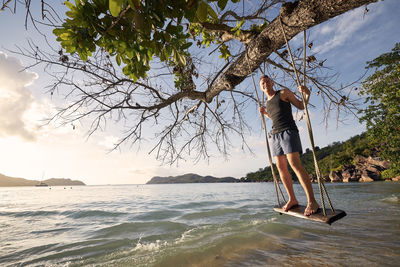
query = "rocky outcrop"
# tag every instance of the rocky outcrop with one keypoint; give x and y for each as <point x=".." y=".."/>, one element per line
<point x="350" y="174"/>
<point x="314" y="178"/>
<point x="365" y="178"/>
<point x="335" y="177"/>
<point x="365" y="170"/>
<point x="370" y="168"/>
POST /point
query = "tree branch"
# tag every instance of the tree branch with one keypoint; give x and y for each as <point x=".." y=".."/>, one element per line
<point x="305" y="15"/>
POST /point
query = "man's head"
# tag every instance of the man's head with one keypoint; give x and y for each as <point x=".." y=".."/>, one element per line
<point x="266" y="83"/>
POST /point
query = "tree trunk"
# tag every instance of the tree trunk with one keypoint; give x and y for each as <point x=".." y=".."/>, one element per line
<point x="296" y="17"/>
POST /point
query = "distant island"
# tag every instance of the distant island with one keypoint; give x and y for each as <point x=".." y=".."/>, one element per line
<point x="6" y="181"/>
<point x="191" y="178"/>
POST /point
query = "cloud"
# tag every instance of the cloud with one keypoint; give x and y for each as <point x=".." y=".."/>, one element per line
<point x="339" y="30"/>
<point x="109" y="142"/>
<point x="15" y="97"/>
<point x="139" y="171"/>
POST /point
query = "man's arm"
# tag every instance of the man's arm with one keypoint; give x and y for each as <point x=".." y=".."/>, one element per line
<point x="290" y="97"/>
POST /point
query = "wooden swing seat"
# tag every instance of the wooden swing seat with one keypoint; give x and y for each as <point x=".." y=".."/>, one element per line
<point x="298" y="211"/>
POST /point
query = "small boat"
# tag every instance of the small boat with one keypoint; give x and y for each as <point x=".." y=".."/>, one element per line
<point x="42" y="184"/>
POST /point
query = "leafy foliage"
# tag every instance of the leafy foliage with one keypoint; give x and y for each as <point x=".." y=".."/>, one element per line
<point x="331" y="157"/>
<point x="382" y="113"/>
<point x="136" y="31"/>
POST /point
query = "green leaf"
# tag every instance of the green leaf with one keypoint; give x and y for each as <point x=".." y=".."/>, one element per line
<point x="135" y="4"/>
<point x="150" y="53"/>
<point x="118" y="59"/>
<point x="125" y="59"/>
<point x="125" y="71"/>
<point x="175" y="57"/>
<point x="222" y="4"/>
<point x="225" y="53"/>
<point x="58" y="31"/>
<point x="171" y="29"/>
<point x="168" y="51"/>
<point x="182" y="59"/>
<point x="186" y="46"/>
<point x="129" y="53"/>
<point x="139" y="19"/>
<point x="115" y="7"/>
<point x="201" y="12"/>
<point x="65" y="36"/>
<point x="162" y="55"/>
<point x="212" y="12"/>
<point x="70" y="14"/>
<point x="70" y="49"/>
<point x="69" y="5"/>
<point x="190" y="15"/>
<point x="83" y="55"/>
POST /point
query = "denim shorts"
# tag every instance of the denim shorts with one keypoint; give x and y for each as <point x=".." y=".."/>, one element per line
<point x="285" y="142"/>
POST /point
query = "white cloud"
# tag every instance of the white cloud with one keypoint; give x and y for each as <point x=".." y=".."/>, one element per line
<point x="341" y="29"/>
<point x="109" y="142"/>
<point x="15" y="97"/>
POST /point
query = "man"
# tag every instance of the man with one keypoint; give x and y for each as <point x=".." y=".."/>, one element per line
<point x="285" y="140"/>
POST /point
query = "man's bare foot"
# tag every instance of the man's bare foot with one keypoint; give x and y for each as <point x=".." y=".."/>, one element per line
<point x="311" y="208"/>
<point x="290" y="204"/>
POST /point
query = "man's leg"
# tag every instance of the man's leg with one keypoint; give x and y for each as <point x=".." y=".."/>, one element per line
<point x="286" y="178"/>
<point x="302" y="175"/>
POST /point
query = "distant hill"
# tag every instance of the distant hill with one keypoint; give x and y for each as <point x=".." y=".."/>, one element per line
<point x="191" y="178"/>
<point x="12" y="181"/>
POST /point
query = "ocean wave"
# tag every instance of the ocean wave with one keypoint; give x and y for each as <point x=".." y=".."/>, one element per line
<point x="216" y="248"/>
<point x="21" y="255"/>
<point x="52" y="230"/>
<point x="158" y="215"/>
<point x="195" y="232"/>
<point x="29" y="213"/>
<point x="211" y="213"/>
<point x="257" y="215"/>
<point x="138" y="229"/>
<point x="75" y="214"/>
<point x="262" y="221"/>
<point x="91" y="213"/>
<point x="200" y="204"/>
<point x="72" y="252"/>
<point x="392" y="199"/>
<point x="152" y="246"/>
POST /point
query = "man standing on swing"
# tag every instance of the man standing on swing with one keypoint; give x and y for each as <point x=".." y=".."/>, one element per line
<point x="285" y="140"/>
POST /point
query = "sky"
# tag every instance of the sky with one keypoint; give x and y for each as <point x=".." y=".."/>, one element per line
<point x="31" y="149"/>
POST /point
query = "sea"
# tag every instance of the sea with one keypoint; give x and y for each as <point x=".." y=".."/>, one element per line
<point x="220" y="224"/>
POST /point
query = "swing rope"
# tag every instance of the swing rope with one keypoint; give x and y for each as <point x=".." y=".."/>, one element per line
<point x="310" y="133"/>
<point x="276" y="183"/>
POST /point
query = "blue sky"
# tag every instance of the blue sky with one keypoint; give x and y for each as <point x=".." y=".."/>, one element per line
<point x="29" y="149"/>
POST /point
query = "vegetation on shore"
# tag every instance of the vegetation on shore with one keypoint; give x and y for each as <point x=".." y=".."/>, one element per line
<point x="331" y="157"/>
<point x="382" y="110"/>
